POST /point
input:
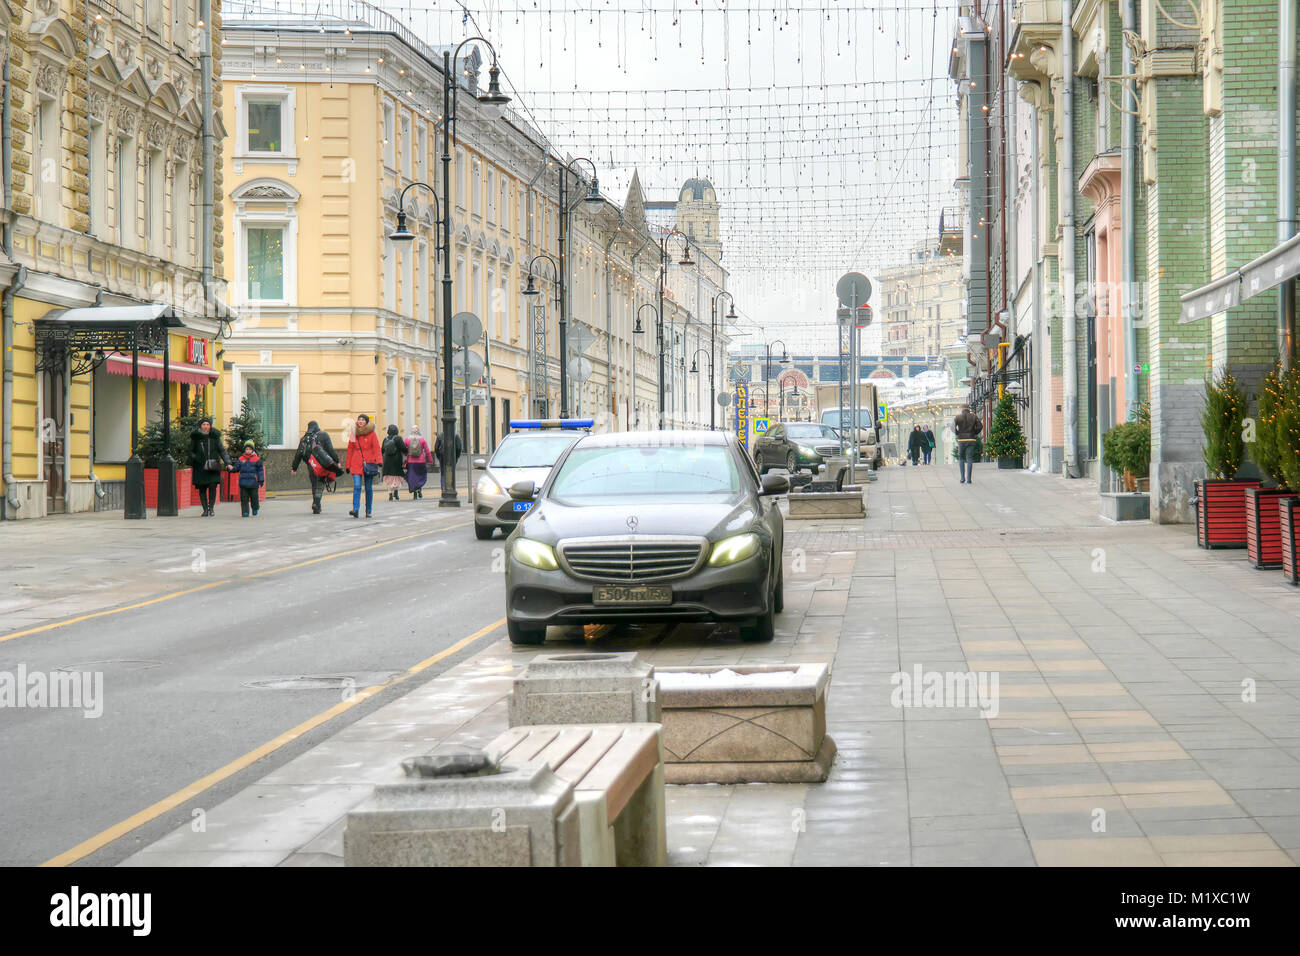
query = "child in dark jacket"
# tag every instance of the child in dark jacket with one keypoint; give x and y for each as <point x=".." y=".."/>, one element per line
<point x="252" y="475"/>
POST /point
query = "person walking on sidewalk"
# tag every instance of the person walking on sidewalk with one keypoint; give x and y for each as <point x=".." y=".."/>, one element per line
<point x="252" y="475"/>
<point x="417" y="462"/>
<point x="915" y="444"/>
<point x="438" y="453"/>
<point x="394" y="462"/>
<point x="928" y="450"/>
<point x="323" y="466"/>
<point x="967" y="427"/>
<point x="364" y="459"/>
<point x="208" y="458"/>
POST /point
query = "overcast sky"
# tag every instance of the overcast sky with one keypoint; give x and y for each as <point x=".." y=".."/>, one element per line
<point x="827" y="128"/>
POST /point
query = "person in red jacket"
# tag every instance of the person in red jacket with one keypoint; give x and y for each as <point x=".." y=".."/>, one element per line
<point x="363" y="461"/>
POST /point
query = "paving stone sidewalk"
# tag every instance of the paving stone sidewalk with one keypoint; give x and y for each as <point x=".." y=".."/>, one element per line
<point x="1148" y="706"/>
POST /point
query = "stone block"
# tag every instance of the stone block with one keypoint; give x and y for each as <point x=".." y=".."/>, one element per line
<point x="595" y="688"/>
<point x="827" y="504"/>
<point x="745" y="723"/>
<point x="1126" y="506"/>
<point x="521" y="816"/>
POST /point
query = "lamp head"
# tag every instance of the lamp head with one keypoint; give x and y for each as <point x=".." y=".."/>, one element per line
<point x="494" y="98"/>
<point x="637" y="329"/>
<point x="695" y="365"/>
<point x="686" y="259"/>
<point x="731" y="314"/>
<point x="402" y="234"/>
<point x="593" y="194"/>
<point x="531" y="288"/>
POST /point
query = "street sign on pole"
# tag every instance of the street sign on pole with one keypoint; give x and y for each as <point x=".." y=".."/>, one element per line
<point x="742" y="415"/>
<point x="466" y="329"/>
<point x="882" y="411"/>
<point x="761" y="426"/>
<point x="467" y="366"/>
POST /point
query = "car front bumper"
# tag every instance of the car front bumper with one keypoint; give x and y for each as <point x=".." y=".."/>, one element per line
<point x="495" y="511"/>
<point x="739" y="592"/>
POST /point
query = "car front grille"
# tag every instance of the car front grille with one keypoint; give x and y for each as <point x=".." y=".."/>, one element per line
<point x="827" y="450"/>
<point x="624" y="560"/>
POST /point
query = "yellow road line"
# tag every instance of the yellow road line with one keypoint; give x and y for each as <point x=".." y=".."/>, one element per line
<point x="203" y="587"/>
<point x="118" y="830"/>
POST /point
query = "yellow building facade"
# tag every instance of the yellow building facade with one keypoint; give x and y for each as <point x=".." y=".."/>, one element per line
<point x="330" y="124"/>
<point x="102" y="210"/>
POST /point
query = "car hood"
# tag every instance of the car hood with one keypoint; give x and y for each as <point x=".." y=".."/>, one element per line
<point x="505" y="477"/>
<point x="671" y="515"/>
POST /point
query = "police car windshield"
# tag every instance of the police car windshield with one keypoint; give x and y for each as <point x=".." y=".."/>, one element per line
<point x="531" y="451"/>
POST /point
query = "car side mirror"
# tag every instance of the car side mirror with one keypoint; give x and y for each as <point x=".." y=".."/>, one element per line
<point x="772" y="485"/>
<point x="480" y="464"/>
<point x="523" y="491"/>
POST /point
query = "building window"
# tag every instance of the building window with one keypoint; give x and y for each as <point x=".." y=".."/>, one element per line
<point x="460" y="179"/>
<point x="493" y="325"/>
<point x="265" y="396"/>
<point x="181" y="242"/>
<point x="408" y="402"/>
<point x="155" y="202"/>
<point x="407" y="147"/>
<point x="390" y="147"/>
<point x="124" y="192"/>
<point x="474" y="197"/>
<point x="421" y="151"/>
<point x="491" y="196"/>
<point x="265" y="118"/>
<point x="47" y="160"/>
<point x="476" y="281"/>
<point x="390" y="275"/>
<point x="264" y="249"/>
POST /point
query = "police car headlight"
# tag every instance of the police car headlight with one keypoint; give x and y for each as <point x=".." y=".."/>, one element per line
<point x="486" y="486"/>
<point x="535" y="554"/>
<point x="734" y="549"/>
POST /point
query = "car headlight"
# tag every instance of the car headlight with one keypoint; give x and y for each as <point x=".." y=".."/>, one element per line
<point x="486" y="486"/>
<point x="805" y="452"/>
<point x="535" y="554"/>
<point x="736" y="548"/>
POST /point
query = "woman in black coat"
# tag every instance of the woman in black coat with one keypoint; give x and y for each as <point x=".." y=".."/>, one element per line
<point x="206" y="446"/>
<point x="915" y="444"/>
<point x="394" y="450"/>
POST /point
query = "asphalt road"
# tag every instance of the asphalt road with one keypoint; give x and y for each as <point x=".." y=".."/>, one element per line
<point x="195" y="682"/>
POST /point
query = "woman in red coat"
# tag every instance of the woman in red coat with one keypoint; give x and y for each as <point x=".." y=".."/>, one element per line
<point x="363" y="461"/>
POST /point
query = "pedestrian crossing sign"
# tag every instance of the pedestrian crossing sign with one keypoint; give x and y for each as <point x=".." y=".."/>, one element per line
<point x="760" y="426"/>
<point x="882" y="411"/>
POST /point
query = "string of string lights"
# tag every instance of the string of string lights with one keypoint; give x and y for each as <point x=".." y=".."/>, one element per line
<point x="827" y="128"/>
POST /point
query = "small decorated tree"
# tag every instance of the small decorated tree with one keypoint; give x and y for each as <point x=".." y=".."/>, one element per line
<point x="1225" y="411"/>
<point x="150" y="446"/>
<point x="1267" y="449"/>
<point x="245" y="426"/>
<point x="1006" y="440"/>
<point x="1286" y="428"/>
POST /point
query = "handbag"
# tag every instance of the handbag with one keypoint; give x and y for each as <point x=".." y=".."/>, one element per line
<point x="369" y="469"/>
<point x="212" y="464"/>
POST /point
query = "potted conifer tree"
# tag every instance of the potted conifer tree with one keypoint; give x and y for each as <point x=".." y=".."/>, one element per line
<point x="1006" y="441"/>
<point x="150" y="447"/>
<point x="1263" y="512"/>
<point x="1287" y="433"/>
<point x="1221" y="499"/>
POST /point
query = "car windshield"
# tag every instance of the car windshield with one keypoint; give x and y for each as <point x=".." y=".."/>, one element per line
<point x="811" y="431"/>
<point x="841" y="419"/>
<point x="535" y="451"/>
<point x="631" y="471"/>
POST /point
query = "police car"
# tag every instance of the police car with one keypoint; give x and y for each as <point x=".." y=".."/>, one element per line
<point x="526" y="454"/>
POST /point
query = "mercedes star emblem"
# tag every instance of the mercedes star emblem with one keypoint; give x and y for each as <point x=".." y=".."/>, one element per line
<point x="632" y="523"/>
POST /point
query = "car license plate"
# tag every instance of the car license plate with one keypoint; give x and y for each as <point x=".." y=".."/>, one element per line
<point x="631" y="594"/>
<point x="523" y="505"/>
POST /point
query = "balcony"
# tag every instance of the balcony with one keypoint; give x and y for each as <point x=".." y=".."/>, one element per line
<point x="1035" y="39"/>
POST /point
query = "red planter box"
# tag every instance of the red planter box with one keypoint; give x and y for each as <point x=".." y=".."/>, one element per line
<point x="229" y="486"/>
<point x="1288" y="526"/>
<point x="1263" y="530"/>
<point x="184" y="485"/>
<point x="1221" y="512"/>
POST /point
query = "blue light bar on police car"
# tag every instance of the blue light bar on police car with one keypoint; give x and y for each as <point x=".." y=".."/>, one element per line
<point x="552" y="422"/>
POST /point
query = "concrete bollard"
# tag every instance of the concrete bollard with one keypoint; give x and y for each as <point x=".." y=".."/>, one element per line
<point x="482" y="816"/>
<point x="585" y="688"/>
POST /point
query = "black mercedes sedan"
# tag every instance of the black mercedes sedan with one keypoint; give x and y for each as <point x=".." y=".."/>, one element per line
<point x="647" y="526"/>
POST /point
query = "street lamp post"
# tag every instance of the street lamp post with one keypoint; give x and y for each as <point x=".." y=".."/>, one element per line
<point x="713" y="346"/>
<point x="639" y="329"/>
<point x="493" y="98"/>
<point x="685" y="260"/>
<point x="593" y="197"/>
<point x="530" y="290"/>
<point x="767" y="374"/>
<point x="696" y="368"/>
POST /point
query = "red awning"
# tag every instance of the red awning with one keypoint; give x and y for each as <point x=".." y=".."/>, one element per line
<point x="152" y="367"/>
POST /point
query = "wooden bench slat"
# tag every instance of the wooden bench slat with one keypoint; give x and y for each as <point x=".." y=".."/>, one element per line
<point x="623" y="767"/>
<point x="565" y="744"/>
<point x="588" y="755"/>
<point x="506" y="742"/>
<point x="533" y="744"/>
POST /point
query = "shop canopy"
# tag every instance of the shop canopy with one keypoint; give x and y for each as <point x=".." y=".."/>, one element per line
<point x="120" y="364"/>
<point x="1270" y="270"/>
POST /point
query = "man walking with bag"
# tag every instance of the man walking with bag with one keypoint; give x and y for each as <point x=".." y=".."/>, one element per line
<point x="967" y="427"/>
<point x="317" y="451"/>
